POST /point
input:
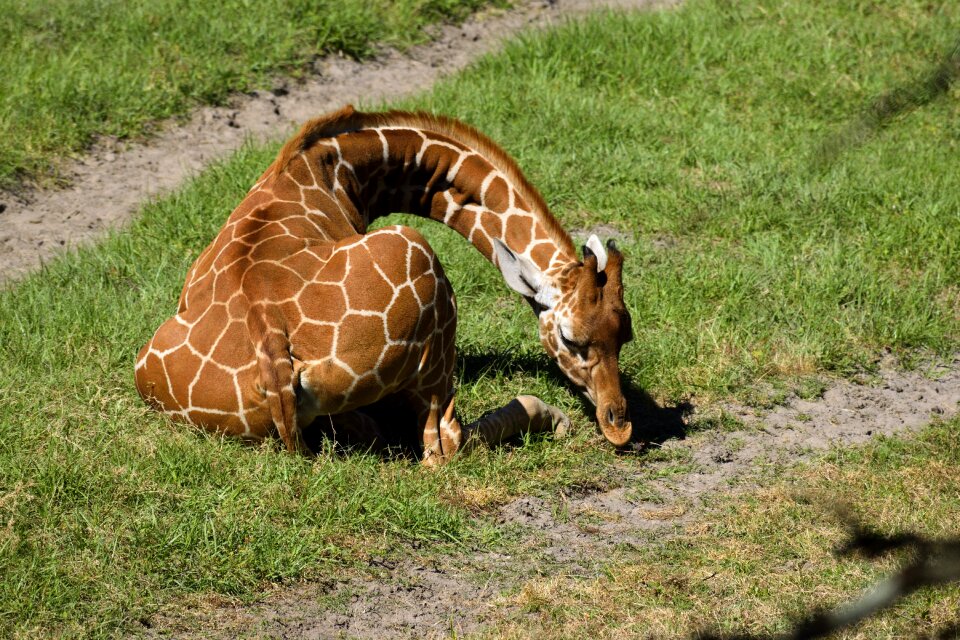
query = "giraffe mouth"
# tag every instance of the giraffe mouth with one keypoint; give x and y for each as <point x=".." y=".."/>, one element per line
<point x="617" y="431"/>
<point x="618" y="436"/>
<point x="614" y="420"/>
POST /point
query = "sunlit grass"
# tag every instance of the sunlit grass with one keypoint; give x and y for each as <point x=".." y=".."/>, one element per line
<point x="691" y="134"/>
<point x="73" y="69"/>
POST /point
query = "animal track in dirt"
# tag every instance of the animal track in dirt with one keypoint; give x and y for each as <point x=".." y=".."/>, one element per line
<point x="579" y="532"/>
<point x="111" y="182"/>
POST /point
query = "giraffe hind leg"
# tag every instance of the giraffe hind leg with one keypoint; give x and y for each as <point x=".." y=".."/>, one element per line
<point x="277" y="377"/>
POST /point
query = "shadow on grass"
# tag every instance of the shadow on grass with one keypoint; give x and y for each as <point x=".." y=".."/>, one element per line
<point x="398" y="438"/>
<point x="931" y="563"/>
<point x="883" y="109"/>
<point x="652" y="423"/>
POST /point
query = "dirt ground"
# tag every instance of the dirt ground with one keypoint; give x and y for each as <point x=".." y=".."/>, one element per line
<point x="415" y="596"/>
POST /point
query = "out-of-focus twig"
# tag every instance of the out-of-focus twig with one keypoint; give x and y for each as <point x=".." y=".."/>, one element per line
<point x="933" y="563"/>
<point x="880" y="111"/>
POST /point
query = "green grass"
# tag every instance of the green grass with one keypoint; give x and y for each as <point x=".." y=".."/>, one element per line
<point x="72" y="69"/>
<point x="750" y="265"/>
<point x="696" y="133"/>
<point x="757" y="562"/>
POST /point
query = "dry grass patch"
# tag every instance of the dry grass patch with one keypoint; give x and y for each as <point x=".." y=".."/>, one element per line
<point x="759" y="560"/>
<point x="476" y="500"/>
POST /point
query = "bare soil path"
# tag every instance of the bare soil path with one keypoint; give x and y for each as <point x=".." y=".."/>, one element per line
<point x="110" y="183"/>
<point x="420" y="596"/>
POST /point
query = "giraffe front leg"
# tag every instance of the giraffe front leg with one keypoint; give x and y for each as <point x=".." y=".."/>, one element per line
<point x="444" y="436"/>
<point x="521" y="415"/>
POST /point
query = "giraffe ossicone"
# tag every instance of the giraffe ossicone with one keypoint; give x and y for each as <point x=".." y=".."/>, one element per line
<point x="596" y="247"/>
<point x="296" y="313"/>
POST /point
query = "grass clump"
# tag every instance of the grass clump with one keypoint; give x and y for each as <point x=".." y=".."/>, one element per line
<point x="70" y="70"/>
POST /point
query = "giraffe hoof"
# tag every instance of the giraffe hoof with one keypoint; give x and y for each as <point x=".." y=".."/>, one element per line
<point x="431" y="459"/>
<point x="562" y="427"/>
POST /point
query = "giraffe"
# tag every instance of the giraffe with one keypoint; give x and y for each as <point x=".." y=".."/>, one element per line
<point x="295" y="312"/>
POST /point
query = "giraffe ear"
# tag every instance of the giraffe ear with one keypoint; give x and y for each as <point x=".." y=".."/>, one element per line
<point x="519" y="272"/>
<point x="596" y="247"/>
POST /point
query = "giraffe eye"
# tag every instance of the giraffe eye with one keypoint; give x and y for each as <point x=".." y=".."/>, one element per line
<point x="568" y="343"/>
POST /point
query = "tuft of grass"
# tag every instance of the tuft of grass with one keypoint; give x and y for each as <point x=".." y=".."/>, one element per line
<point x="757" y="562"/>
<point x="70" y="70"/>
<point x="718" y="420"/>
<point x="748" y="266"/>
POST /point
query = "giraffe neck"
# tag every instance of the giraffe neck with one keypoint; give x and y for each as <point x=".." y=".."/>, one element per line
<point x="433" y="167"/>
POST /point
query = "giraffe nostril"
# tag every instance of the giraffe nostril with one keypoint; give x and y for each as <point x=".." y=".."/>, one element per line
<point x="610" y="416"/>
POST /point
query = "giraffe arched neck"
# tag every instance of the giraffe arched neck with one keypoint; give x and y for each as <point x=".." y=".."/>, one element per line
<point x="295" y="313"/>
<point x="397" y="162"/>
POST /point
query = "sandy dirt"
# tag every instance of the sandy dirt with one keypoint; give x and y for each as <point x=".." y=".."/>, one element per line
<point x="109" y="184"/>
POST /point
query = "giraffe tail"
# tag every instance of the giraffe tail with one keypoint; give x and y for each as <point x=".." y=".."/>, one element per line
<point x="277" y="378"/>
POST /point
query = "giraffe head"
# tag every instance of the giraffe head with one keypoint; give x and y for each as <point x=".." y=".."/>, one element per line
<point x="583" y="324"/>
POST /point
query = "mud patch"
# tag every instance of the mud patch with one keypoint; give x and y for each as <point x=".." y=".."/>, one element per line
<point x="583" y="529"/>
<point x="111" y="182"/>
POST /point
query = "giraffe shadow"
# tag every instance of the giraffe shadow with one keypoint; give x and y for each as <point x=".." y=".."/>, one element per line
<point x="397" y="439"/>
<point x="653" y="423"/>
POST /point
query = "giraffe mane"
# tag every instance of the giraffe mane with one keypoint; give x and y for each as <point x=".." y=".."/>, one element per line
<point x="348" y="119"/>
<point x="328" y="125"/>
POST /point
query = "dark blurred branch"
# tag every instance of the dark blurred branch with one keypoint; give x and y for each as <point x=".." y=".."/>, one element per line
<point x="883" y="109"/>
<point x="933" y="563"/>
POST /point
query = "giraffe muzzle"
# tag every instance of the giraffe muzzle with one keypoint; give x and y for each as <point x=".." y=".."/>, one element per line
<point x="615" y="423"/>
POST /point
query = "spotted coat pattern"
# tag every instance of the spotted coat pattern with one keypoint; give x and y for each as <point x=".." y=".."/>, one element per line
<point x="296" y="312"/>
